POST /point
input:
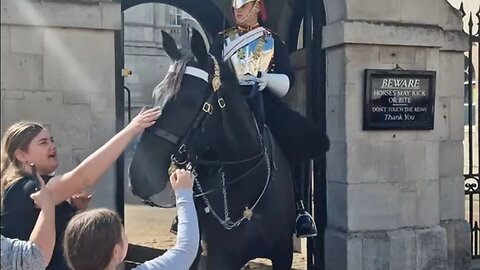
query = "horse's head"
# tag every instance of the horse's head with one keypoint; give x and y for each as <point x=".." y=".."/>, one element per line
<point x="197" y="115"/>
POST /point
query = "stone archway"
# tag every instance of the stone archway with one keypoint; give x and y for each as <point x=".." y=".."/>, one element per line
<point x="207" y="14"/>
<point x="309" y="62"/>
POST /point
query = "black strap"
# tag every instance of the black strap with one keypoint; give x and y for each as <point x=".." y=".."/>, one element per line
<point x="162" y="133"/>
<point x="149" y="202"/>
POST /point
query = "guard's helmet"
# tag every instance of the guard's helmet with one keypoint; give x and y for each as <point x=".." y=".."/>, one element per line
<point x="240" y="3"/>
<point x="259" y="4"/>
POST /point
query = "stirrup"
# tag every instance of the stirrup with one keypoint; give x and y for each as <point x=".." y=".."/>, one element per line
<point x="309" y="227"/>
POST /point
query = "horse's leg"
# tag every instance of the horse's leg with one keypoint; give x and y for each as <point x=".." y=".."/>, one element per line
<point x="217" y="263"/>
<point x="283" y="255"/>
<point x="218" y="260"/>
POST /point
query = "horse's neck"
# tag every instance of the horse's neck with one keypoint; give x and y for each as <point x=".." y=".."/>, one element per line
<point x="241" y="135"/>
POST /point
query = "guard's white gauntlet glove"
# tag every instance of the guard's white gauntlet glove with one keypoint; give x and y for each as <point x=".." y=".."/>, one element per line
<point x="277" y="83"/>
<point x="262" y="81"/>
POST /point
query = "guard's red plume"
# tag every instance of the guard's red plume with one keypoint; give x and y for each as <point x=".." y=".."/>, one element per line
<point x="263" y="11"/>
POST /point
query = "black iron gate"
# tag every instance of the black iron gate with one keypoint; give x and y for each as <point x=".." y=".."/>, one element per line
<point x="316" y="110"/>
<point x="472" y="138"/>
<point x="309" y="17"/>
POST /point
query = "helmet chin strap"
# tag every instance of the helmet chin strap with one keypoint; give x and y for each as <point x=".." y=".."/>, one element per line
<point x="253" y="10"/>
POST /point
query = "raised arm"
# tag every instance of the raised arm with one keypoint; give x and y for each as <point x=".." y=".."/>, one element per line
<point x="43" y="234"/>
<point x="36" y="253"/>
<point x="183" y="254"/>
<point x="88" y="172"/>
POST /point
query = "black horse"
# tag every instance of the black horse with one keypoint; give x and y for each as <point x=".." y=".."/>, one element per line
<point x="244" y="188"/>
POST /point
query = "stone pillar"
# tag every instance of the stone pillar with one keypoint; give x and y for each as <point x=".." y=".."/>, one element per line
<point x="395" y="198"/>
<point x="58" y="68"/>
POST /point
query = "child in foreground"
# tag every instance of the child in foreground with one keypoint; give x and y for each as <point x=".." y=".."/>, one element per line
<point x="103" y="230"/>
<point x="34" y="254"/>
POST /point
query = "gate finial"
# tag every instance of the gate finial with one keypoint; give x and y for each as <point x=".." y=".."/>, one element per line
<point x="470" y="24"/>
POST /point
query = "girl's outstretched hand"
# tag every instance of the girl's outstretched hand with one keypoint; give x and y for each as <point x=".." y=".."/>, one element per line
<point x="145" y="118"/>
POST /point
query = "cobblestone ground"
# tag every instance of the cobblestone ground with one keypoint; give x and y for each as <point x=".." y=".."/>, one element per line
<point x="149" y="227"/>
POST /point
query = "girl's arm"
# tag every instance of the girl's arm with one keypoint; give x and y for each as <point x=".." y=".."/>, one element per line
<point x="93" y="167"/>
<point x="43" y="234"/>
<point x="183" y="254"/>
<point x="37" y="252"/>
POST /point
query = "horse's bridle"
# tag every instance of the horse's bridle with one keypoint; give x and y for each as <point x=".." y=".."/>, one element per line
<point x="183" y="155"/>
<point x="207" y="107"/>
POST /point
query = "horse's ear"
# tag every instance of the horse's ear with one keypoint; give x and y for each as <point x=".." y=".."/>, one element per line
<point x="198" y="47"/>
<point x="170" y="46"/>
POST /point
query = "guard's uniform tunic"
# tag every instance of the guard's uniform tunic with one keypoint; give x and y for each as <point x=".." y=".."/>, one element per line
<point x="264" y="51"/>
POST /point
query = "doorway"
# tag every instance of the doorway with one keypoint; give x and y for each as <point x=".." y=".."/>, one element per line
<point x="299" y="24"/>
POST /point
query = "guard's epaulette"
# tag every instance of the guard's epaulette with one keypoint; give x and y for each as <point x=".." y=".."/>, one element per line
<point x="270" y="30"/>
<point x="223" y="32"/>
<point x="229" y="32"/>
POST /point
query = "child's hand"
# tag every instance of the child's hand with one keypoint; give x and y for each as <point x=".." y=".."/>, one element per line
<point x="181" y="179"/>
<point x="43" y="198"/>
<point x="81" y="201"/>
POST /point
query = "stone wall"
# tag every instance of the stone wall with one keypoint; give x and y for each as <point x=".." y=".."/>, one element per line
<point x="58" y="68"/>
<point x="395" y="198"/>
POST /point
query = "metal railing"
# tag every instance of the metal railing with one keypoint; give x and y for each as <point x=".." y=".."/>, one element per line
<point x="472" y="138"/>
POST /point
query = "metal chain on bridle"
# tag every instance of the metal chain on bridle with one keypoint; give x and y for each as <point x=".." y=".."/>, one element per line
<point x="226" y="222"/>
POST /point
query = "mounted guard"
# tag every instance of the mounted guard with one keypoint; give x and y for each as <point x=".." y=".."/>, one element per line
<point x="261" y="63"/>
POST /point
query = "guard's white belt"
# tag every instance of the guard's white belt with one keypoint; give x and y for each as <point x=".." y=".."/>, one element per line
<point x="242" y="41"/>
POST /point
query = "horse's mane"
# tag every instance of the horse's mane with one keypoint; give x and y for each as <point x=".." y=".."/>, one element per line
<point x="170" y="85"/>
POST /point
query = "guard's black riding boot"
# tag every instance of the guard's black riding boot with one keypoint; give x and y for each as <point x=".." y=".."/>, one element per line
<point x="174" y="227"/>
<point x="305" y="225"/>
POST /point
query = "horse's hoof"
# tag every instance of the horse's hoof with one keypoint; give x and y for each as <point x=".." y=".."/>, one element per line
<point x="174" y="227"/>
